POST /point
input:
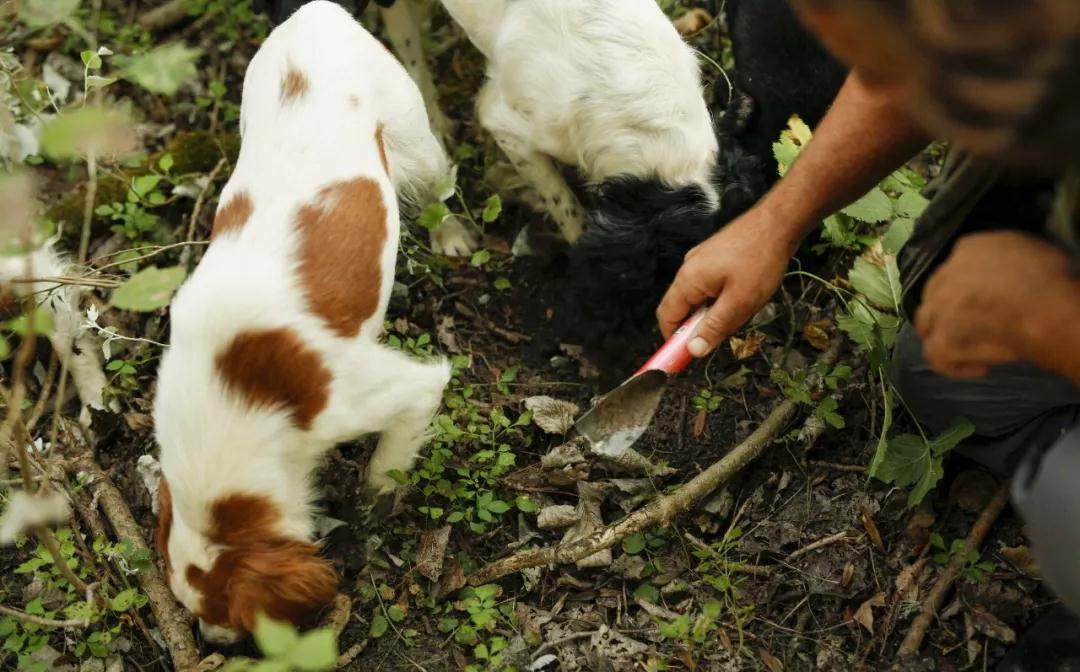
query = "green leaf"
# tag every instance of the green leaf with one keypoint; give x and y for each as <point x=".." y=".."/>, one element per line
<point x="791" y="143"/>
<point x="44" y="13"/>
<point x="480" y="257"/>
<point x="492" y="209"/>
<point x="886" y="424"/>
<point x="5" y="349"/>
<point x="314" y="652"/>
<point x="634" y="544"/>
<point x="448" y="625"/>
<point x="647" y="592"/>
<point x="455" y="517"/>
<point x="466" y="635"/>
<point x="880" y="285"/>
<point x="96" y="82"/>
<point x="874" y="207"/>
<point x="445" y="187"/>
<point x="526" y="505"/>
<point x="165" y="163"/>
<point x="124" y="600"/>
<point x="498" y="507"/>
<point x="898" y="234"/>
<point x="144" y="184"/>
<point x="396" y="613"/>
<point x="911" y="204"/>
<point x="911" y="461"/>
<point x="502" y="284"/>
<point x="91" y="59"/>
<point x="87" y="129"/>
<point x="379" y="625"/>
<point x="41" y="321"/>
<point x="162" y="69"/>
<point x="274" y="638"/>
<point x="149" y="289"/>
<point x="433" y="215"/>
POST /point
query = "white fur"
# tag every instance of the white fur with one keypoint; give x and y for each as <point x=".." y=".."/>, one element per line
<point x="606" y="86"/>
<point x="212" y="444"/>
<point x="78" y="350"/>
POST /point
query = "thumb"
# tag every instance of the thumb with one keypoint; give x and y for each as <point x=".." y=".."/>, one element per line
<point x="721" y="321"/>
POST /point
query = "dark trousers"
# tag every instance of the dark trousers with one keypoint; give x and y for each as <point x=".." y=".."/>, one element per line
<point x="1027" y="422"/>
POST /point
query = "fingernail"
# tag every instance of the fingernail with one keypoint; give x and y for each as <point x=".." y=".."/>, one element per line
<point x="698" y="347"/>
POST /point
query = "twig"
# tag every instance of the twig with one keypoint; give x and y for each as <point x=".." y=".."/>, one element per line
<point x="820" y="543"/>
<point x="44" y="622"/>
<point x="835" y="466"/>
<point x="936" y="597"/>
<point x="163" y="16"/>
<point x="174" y="622"/>
<point x="185" y="255"/>
<point x="660" y="511"/>
<point x="62" y="280"/>
<point x="354" y="651"/>
<point x="555" y="644"/>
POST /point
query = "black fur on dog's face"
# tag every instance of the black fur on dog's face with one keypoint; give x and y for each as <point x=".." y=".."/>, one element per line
<point x="637" y="234"/>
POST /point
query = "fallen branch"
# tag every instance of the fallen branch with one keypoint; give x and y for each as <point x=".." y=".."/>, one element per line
<point x="174" y="622"/>
<point x="936" y="597"/>
<point x="659" y="512"/>
<point x="40" y="620"/>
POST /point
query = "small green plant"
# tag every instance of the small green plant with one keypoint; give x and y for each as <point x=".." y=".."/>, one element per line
<point x="286" y="650"/>
<point x="706" y="400"/>
<point x="974" y="566"/>
<point x="136" y="217"/>
<point x="482" y="613"/>
<point x="814" y="388"/>
<point x="717" y="569"/>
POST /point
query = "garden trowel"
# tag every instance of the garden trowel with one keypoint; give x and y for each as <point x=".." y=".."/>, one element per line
<point x="618" y="420"/>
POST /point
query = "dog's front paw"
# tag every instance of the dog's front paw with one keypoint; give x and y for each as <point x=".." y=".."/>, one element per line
<point x="454" y="238"/>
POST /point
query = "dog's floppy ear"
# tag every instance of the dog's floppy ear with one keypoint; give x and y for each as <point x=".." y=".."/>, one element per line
<point x="286" y="580"/>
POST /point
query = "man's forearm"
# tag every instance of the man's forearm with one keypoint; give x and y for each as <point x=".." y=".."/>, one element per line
<point x="864" y="137"/>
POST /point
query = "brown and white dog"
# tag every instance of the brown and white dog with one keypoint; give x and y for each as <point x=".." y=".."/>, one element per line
<point x="274" y="356"/>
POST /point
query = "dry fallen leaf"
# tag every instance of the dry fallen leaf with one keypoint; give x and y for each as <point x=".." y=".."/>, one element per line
<point x="694" y="21"/>
<point x="1022" y="559"/>
<point x="699" y="422"/>
<point x="685" y="658"/>
<point x="431" y="552"/>
<point x="864" y="615"/>
<point x="554" y="416"/>
<point x="745" y="348"/>
<point x="988" y="625"/>
<point x="557" y="516"/>
<point x="972" y="489"/>
<point x="590" y="500"/>
<point x="907" y="583"/>
<point x="872" y="530"/>
<point x="817" y="333"/>
<point x="847" y="576"/>
<point x="772" y="662"/>
<point x="444" y="332"/>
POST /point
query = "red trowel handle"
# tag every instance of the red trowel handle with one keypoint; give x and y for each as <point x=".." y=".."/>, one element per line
<point x="673" y="357"/>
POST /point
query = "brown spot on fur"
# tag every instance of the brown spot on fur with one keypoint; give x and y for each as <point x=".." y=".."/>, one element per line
<point x="382" y="147"/>
<point x="261" y="571"/>
<point x="275" y="369"/>
<point x="293" y="85"/>
<point x="232" y="216"/>
<point x="343" y="233"/>
<point x="161" y="539"/>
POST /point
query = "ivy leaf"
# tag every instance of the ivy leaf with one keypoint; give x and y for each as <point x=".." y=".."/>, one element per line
<point x="874" y="207"/>
<point x="492" y="209"/>
<point x="149" y="289"/>
<point x="634" y="544"/>
<point x="274" y="638"/>
<point x="315" y="651"/>
<point x="433" y="215"/>
<point x="44" y="13"/>
<point x="162" y="69"/>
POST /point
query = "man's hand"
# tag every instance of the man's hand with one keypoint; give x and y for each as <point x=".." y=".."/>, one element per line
<point x="741" y="267"/>
<point x="1000" y="297"/>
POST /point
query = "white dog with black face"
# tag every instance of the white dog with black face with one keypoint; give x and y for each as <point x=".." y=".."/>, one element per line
<point x="274" y="353"/>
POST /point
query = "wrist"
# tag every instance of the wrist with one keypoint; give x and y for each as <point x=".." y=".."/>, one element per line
<point x="786" y="220"/>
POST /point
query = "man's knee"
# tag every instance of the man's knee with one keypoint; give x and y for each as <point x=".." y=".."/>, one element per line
<point x="1046" y="496"/>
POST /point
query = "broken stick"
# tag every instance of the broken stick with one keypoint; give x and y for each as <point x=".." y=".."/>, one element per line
<point x="174" y="622"/>
<point x="936" y="597"/>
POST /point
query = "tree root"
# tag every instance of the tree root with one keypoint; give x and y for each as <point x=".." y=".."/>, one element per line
<point x="174" y="622"/>
<point x="936" y="597"/>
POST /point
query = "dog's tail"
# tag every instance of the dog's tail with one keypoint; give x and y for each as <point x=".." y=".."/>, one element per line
<point x="480" y="19"/>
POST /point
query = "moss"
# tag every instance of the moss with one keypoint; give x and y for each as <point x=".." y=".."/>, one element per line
<point x="192" y="152"/>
